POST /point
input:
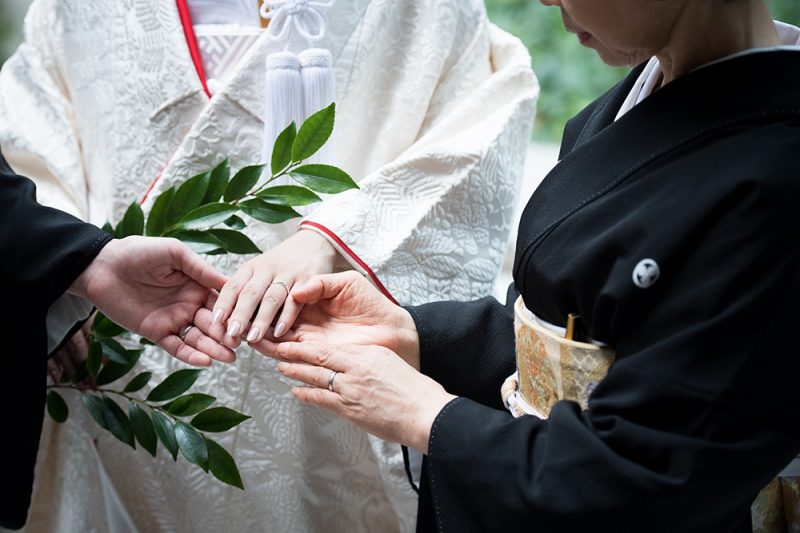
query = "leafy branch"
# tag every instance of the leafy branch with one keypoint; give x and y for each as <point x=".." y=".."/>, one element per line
<point x="207" y="212"/>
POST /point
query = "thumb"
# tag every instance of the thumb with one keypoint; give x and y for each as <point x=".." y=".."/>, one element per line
<point x="324" y="287"/>
<point x="198" y="269"/>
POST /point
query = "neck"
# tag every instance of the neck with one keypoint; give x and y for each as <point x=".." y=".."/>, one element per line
<point x="707" y="30"/>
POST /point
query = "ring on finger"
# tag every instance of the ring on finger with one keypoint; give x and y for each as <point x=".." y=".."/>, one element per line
<point x="330" y="380"/>
<point x="185" y="331"/>
<point x="282" y="284"/>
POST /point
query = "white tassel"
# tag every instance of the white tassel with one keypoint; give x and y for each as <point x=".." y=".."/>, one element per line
<point x="283" y="102"/>
<point x="319" y="91"/>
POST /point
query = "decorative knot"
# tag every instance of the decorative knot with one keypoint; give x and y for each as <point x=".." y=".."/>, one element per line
<point x="302" y="16"/>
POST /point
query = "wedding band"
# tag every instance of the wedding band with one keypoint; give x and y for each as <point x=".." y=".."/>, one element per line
<point x="185" y="331"/>
<point x="282" y="284"/>
<point x="330" y="380"/>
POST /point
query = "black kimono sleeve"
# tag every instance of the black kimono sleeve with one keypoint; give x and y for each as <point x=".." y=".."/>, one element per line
<point x="43" y="252"/>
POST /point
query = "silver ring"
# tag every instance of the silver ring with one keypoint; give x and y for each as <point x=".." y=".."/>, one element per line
<point x="282" y="284"/>
<point x="185" y="331"/>
<point x="330" y="380"/>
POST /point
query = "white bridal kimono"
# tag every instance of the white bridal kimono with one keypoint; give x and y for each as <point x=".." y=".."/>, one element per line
<point x="102" y="105"/>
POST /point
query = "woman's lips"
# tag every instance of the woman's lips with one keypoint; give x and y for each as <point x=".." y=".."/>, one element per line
<point x="584" y="36"/>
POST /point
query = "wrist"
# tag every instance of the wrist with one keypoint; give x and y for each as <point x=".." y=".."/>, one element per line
<point x="97" y="270"/>
<point x="319" y="246"/>
<point x="407" y="338"/>
<point x="429" y="411"/>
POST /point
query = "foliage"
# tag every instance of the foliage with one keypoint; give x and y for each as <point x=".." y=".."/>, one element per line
<point x="571" y="75"/>
<point x="206" y="212"/>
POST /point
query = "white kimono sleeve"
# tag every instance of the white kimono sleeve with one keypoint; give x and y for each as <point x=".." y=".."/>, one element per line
<point x="433" y="224"/>
<point x="37" y="123"/>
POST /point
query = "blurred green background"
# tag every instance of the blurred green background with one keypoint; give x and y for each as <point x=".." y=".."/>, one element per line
<point x="570" y="75"/>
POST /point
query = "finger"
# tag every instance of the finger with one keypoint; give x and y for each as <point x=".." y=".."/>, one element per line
<point x="183" y="352"/>
<point x="201" y="342"/>
<point x="314" y="354"/>
<point x="249" y="299"/>
<point x="203" y="319"/>
<point x="230" y="294"/>
<point x="198" y="269"/>
<point x="78" y="348"/>
<point x="291" y="310"/>
<point x="319" y="397"/>
<point x="324" y="286"/>
<point x="316" y="376"/>
<point x="64" y="359"/>
<point x="274" y="298"/>
<point x="54" y="369"/>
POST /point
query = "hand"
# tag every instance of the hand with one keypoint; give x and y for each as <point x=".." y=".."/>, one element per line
<point x="373" y="388"/>
<point x="264" y="284"/>
<point x="66" y="361"/>
<point x="346" y="309"/>
<point x="155" y="287"/>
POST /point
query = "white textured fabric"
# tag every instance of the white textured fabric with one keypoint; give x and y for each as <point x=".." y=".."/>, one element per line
<point x="245" y="12"/>
<point x="222" y="46"/>
<point x="435" y="108"/>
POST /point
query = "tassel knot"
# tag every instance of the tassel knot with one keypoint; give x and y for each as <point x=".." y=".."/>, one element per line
<point x="301" y="16"/>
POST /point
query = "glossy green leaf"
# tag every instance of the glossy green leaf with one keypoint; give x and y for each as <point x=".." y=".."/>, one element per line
<point x="235" y="222"/>
<point x="243" y="182"/>
<point x="288" y="195"/>
<point x="80" y="373"/>
<point x="217" y="182"/>
<point x="111" y="372"/>
<point x="282" y="150"/>
<point x="269" y="213"/>
<point x="115" y="352"/>
<point x="95" y="358"/>
<point x="157" y="218"/>
<point x="143" y="428"/>
<point x="190" y="404"/>
<point x="192" y="445"/>
<point x="205" y="216"/>
<point x="201" y="242"/>
<point x="165" y="430"/>
<point x="188" y="197"/>
<point x="57" y="407"/>
<point x="108" y="228"/>
<point x="222" y="465"/>
<point x="117" y="422"/>
<point x="133" y="221"/>
<point x="218" y="419"/>
<point x="323" y="178"/>
<point x="174" y="385"/>
<point x="138" y="383"/>
<point x="146" y="342"/>
<point x="235" y="242"/>
<point x="96" y="408"/>
<point x="313" y="134"/>
<point x="103" y="327"/>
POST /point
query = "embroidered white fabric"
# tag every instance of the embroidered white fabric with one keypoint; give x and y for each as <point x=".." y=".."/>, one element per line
<point x="435" y="106"/>
<point x="244" y="12"/>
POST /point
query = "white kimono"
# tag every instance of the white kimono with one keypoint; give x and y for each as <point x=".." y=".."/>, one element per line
<point x="102" y="105"/>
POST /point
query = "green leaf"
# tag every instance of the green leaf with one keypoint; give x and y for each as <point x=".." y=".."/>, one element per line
<point x="96" y="408"/>
<point x="218" y="419"/>
<point x="117" y="422"/>
<point x="222" y="465"/>
<point x="190" y="404"/>
<point x="192" y="445"/>
<point x="323" y="178"/>
<point x="146" y="342"/>
<point x="269" y="213"/>
<point x="157" y="219"/>
<point x="80" y="373"/>
<point x="57" y="407"/>
<point x="205" y="216"/>
<point x="313" y="134"/>
<point x="201" y="242"/>
<point x="133" y="221"/>
<point x="165" y="430"/>
<point x="218" y="181"/>
<point x="188" y="197"/>
<point x="174" y="385"/>
<point x="235" y="222"/>
<point x="95" y="358"/>
<point x="111" y="372"/>
<point x="288" y="195"/>
<point x="282" y="151"/>
<point x="108" y="228"/>
<point x="143" y="428"/>
<point x="235" y="242"/>
<point x="242" y="182"/>
<point x="115" y="352"/>
<point x="138" y="383"/>
<point x="103" y="327"/>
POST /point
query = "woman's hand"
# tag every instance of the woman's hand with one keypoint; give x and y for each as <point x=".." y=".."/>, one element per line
<point x="264" y="284"/>
<point x="66" y="361"/>
<point x="372" y="387"/>
<point x="346" y="309"/>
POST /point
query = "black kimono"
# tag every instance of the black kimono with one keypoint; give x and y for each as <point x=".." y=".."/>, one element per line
<point x="700" y="409"/>
<point x="43" y="251"/>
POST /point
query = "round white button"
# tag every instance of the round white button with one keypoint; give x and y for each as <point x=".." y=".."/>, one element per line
<point x="646" y="273"/>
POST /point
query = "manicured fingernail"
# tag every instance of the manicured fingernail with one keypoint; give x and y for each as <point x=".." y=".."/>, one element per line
<point x="280" y="329"/>
<point x="234" y="328"/>
<point x="253" y="335"/>
<point x="217" y="318"/>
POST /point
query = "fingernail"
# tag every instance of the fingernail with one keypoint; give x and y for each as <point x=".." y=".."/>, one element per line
<point x="253" y="335"/>
<point x="283" y="367"/>
<point x="234" y="328"/>
<point x="280" y="329"/>
<point x="217" y="318"/>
